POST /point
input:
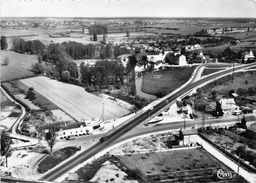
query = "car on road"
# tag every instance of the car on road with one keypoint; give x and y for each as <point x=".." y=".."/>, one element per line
<point x="104" y="138"/>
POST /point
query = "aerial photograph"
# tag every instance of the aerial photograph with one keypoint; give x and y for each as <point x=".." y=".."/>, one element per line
<point x="128" y="91"/>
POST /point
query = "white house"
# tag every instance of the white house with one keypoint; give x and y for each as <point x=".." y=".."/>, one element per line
<point x="249" y="56"/>
<point x="158" y="57"/>
<point x="228" y="105"/>
<point x="74" y="129"/>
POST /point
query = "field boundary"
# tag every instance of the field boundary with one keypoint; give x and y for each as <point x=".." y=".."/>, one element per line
<point x="228" y="154"/>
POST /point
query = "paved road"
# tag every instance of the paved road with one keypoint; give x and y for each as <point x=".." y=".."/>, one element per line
<point x="141" y="117"/>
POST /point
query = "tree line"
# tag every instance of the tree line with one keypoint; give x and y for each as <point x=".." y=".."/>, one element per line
<point x="31" y="47"/>
<point x="4" y="44"/>
<point x="58" y="61"/>
<point x="102" y="74"/>
<point x="74" y="49"/>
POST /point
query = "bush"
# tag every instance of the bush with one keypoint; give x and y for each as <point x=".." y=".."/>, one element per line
<point x="6" y="61"/>
<point x="134" y="173"/>
<point x="45" y="151"/>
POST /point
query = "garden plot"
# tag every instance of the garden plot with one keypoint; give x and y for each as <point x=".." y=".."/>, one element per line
<point x="74" y="100"/>
<point x="175" y="165"/>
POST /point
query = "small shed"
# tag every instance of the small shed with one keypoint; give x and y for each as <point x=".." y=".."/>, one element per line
<point x="189" y="136"/>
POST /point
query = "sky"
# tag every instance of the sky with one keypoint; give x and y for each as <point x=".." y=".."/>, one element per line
<point x="128" y="8"/>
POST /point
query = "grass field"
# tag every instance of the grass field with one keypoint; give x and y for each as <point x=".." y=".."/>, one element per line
<point x="74" y="100"/>
<point x="176" y="165"/>
<point x="242" y="35"/>
<point x="18" y="90"/>
<point x="57" y="157"/>
<point x="240" y="81"/>
<point x="4" y="100"/>
<point x="165" y="81"/>
<point x="19" y="65"/>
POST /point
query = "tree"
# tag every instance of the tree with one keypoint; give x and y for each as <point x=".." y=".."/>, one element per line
<point x="95" y="37"/>
<point x="6" y="60"/>
<point x="72" y="68"/>
<point x="40" y="68"/>
<point x="108" y="51"/>
<point x="127" y="33"/>
<point x="219" y="111"/>
<point x="4" y="44"/>
<point x="24" y="127"/>
<point x="30" y="94"/>
<point x="65" y="75"/>
<point x="51" y="138"/>
<point x="40" y="58"/>
<point x="5" y="145"/>
<point x="243" y="122"/>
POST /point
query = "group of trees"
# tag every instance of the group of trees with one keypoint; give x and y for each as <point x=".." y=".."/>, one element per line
<point x="62" y="68"/>
<point x="118" y="50"/>
<point x="103" y="73"/>
<point x="31" y="47"/>
<point x="5" y="145"/>
<point x="98" y="30"/>
<point x="76" y="51"/>
<point x="229" y="55"/>
<point x="4" y="44"/>
<point x="30" y="94"/>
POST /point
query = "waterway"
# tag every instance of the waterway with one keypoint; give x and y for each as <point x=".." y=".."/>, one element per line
<point x="138" y="82"/>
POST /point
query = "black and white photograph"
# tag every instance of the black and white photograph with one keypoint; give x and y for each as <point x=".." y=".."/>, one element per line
<point x="128" y="91"/>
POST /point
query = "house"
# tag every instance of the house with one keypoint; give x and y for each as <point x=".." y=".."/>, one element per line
<point x="249" y="56"/>
<point x="124" y="59"/>
<point x="155" y="56"/>
<point x="177" y="59"/>
<point x="65" y="130"/>
<point x="74" y="129"/>
<point x="189" y="136"/>
<point x="228" y="105"/>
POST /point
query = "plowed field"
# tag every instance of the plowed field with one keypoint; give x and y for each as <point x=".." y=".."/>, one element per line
<point x="74" y="100"/>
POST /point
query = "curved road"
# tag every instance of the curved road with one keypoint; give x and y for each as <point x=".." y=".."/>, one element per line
<point x="133" y="122"/>
<point x="14" y="128"/>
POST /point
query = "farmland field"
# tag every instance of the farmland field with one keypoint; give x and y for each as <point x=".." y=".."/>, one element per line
<point x="74" y="100"/>
<point x="19" y="65"/>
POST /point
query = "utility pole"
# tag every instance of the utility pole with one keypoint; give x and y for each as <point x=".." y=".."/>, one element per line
<point x="233" y="71"/>
<point x="103" y="111"/>
<point x="238" y="163"/>
<point x="184" y="122"/>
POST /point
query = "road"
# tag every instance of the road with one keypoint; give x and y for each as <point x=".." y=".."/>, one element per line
<point x="133" y="122"/>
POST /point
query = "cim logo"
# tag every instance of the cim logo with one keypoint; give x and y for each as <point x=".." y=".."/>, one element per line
<point x="222" y="175"/>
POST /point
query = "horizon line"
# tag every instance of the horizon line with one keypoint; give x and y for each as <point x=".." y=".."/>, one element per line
<point x="80" y="17"/>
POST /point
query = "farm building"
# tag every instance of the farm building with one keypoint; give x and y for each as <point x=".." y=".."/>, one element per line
<point x="157" y="56"/>
<point x="189" y="136"/>
<point x="65" y="130"/>
<point x="75" y="129"/>
<point x="176" y="59"/>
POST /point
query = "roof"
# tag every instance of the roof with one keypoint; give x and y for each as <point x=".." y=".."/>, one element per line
<point x="189" y="132"/>
<point x="56" y="125"/>
<point x="125" y="56"/>
<point x="73" y="125"/>
<point x="252" y="127"/>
